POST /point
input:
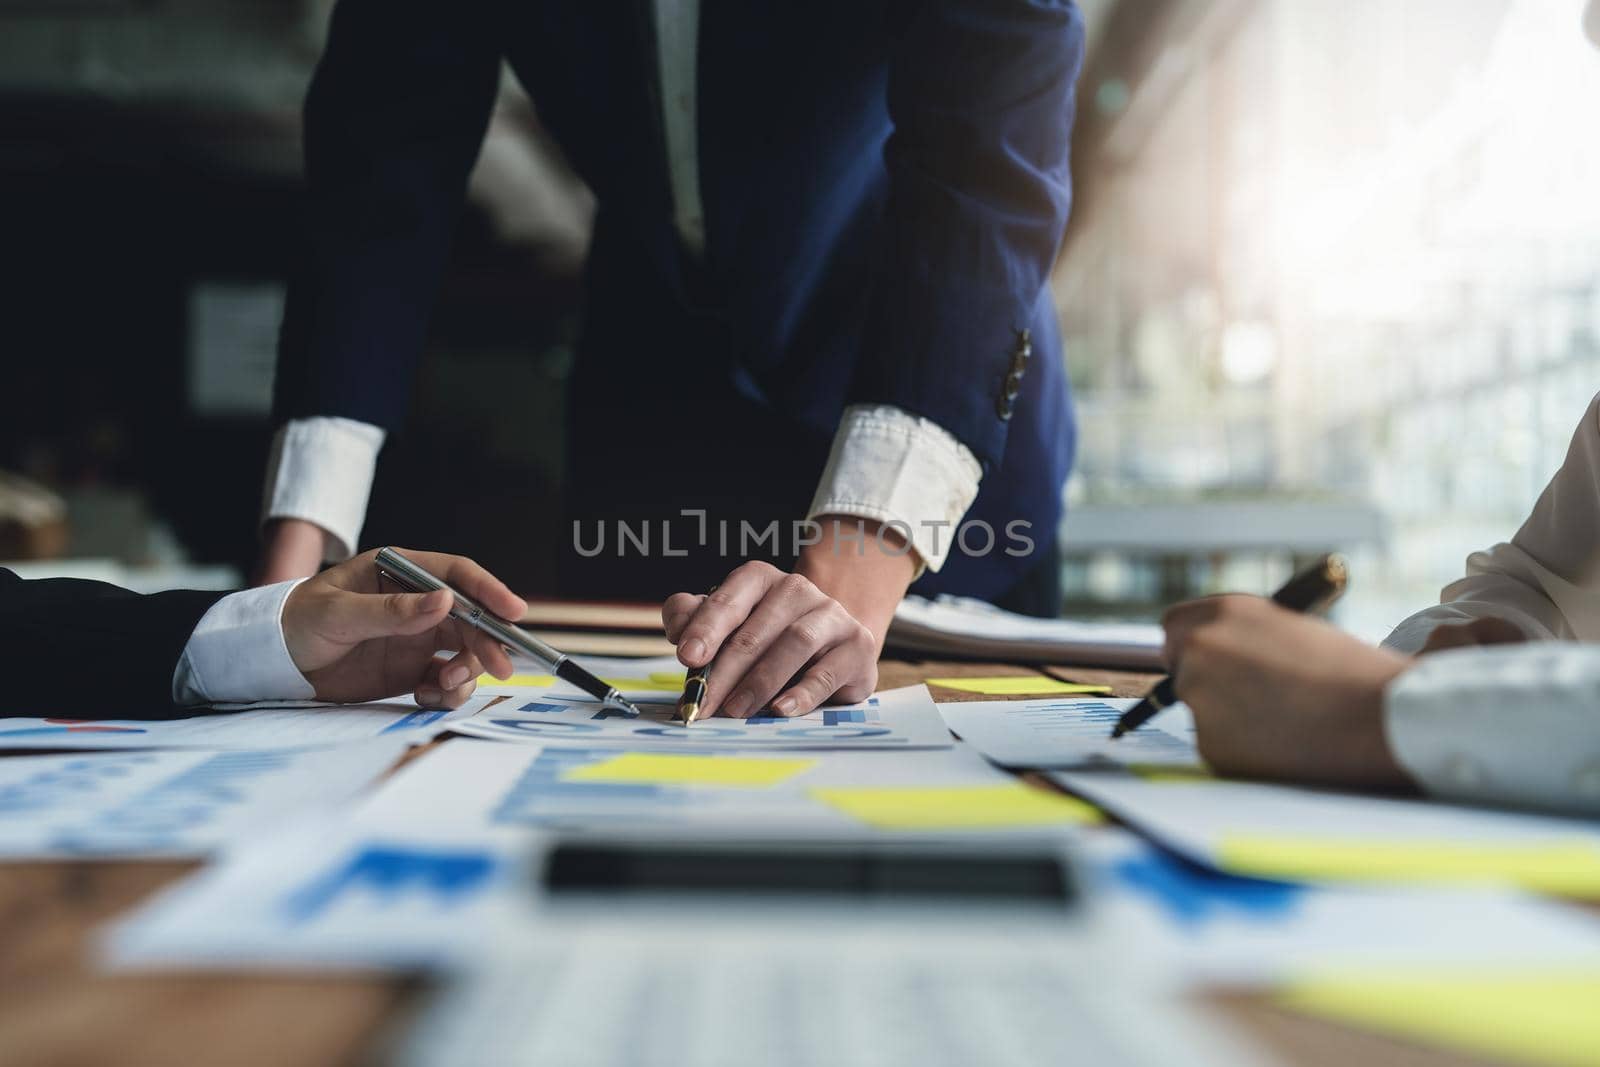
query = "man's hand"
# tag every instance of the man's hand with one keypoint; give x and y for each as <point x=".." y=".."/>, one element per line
<point x="807" y="637"/>
<point x="1281" y="695"/>
<point x="355" y="641"/>
<point x="1488" y="630"/>
<point x="293" y="548"/>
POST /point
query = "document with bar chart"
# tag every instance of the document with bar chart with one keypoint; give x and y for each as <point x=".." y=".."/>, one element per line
<point x="892" y="719"/>
<point x="1071" y="734"/>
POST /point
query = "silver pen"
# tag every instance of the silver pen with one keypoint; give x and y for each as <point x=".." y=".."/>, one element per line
<point x="414" y="579"/>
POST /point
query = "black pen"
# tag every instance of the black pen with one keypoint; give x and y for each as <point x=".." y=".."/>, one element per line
<point x="412" y="578"/>
<point x="1311" y="590"/>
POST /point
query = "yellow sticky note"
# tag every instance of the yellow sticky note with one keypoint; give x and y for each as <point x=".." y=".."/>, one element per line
<point x="648" y="768"/>
<point x="654" y="684"/>
<point x="1568" y="867"/>
<point x="520" y="681"/>
<point x="957" y="807"/>
<point x="1543" y="1017"/>
<point x="1012" y="685"/>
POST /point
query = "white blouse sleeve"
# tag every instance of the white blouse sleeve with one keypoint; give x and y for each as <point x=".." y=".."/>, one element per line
<point x="1546" y="581"/>
<point x="1508" y="724"/>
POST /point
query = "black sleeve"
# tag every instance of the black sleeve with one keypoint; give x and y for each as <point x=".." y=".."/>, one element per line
<point x="88" y="650"/>
<point x="396" y="113"/>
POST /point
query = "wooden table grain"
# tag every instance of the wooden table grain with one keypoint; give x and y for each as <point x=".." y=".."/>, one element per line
<point x="59" y="1009"/>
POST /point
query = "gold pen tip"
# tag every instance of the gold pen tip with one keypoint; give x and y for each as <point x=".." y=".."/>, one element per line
<point x="691" y="711"/>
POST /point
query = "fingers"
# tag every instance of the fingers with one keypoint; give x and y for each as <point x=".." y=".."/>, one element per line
<point x="470" y="579"/>
<point x="723" y="611"/>
<point x="1180" y="621"/>
<point x="826" y="679"/>
<point x="788" y="648"/>
<point x="677" y="611"/>
<point x="348" y="618"/>
<point x="448" y="683"/>
<point x="489" y="652"/>
<point x="786" y="601"/>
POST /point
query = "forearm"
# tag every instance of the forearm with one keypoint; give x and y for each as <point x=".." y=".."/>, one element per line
<point x="62" y="635"/>
<point x="1510" y="725"/>
<point x="320" y="471"/>
<point x="981" y="97"/>
<point x="862" y="564"/>
<point x="394" y="118"/>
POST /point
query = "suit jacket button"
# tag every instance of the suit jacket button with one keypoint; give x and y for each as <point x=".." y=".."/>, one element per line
<point x="1024" y="346"/>
<point x="1013" y="385"/>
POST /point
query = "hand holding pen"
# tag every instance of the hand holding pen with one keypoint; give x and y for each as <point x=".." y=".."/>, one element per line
<point x="500" y="632"/>
<point x="1311" y="590"/>
<point x="778" y="643"/>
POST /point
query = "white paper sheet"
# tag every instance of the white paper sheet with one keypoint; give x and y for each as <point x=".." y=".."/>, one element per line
<point x="946" y="989"/>
<point x="1060" y="732"/>
<point x="1199" y="925"/>
<point x="490" y="788"/>
<point x="1208" y="819"/>
<point x="183" y="803"/>
<point x="341" y="896"/>
<point x="893" y="719"/>
<point x="266" y="728"/>
<point x="427" y="870"/>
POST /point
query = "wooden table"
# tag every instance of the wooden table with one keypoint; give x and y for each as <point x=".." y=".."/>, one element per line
<point x="56" y="1009"/>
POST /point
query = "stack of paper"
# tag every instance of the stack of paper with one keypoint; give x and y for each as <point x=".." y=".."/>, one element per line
<point x="963" y="628"/>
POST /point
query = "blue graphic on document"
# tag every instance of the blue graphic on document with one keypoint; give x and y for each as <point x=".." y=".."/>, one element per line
<point x="1191" y="896"/>
<point x="393" y="872"/>
<point x="414" y="720"/>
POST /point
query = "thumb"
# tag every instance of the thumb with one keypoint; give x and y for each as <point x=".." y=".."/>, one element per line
<point x="370" y="615"/>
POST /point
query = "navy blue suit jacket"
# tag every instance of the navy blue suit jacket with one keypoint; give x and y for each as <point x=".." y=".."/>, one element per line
<point x="885" y="188"/>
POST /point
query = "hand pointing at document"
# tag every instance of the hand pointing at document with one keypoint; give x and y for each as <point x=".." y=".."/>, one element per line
<point x="793" y="641"/>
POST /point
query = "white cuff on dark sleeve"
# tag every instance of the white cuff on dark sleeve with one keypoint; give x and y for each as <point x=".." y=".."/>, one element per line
<point x="901" y="470"/>
<point x="237" y="653"/>
<point x="320" y="470"/>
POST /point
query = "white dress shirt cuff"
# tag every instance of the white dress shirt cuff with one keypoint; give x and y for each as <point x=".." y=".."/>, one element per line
<point x="320" y="470"/>
<point x="237" y="652"/>
<point x="1505" y="724"/>
<point x="901" y="470"/>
